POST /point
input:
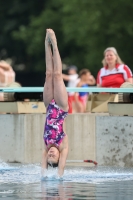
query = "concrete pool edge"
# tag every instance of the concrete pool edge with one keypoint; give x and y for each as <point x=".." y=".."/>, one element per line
<point x="106" y="139"/>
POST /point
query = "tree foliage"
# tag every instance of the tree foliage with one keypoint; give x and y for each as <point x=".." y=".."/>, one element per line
<point x="83" y="29"/>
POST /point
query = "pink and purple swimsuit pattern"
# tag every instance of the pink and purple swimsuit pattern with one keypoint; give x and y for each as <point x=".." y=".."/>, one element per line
<point x="53" y="130"/>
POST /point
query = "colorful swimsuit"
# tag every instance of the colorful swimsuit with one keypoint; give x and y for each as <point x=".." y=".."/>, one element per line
<point x="83" y="96"/>
<point x="53" y="130"/>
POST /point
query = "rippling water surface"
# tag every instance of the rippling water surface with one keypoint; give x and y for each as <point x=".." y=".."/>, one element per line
<point x="99" y="183"/>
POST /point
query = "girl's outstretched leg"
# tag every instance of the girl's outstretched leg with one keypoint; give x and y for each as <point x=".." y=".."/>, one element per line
<point x="60" y="93"/>
<point x="48" y="93"/>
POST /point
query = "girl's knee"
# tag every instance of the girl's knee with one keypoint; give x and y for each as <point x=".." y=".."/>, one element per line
<point x="57" y="75"/>
<point x="49" y="74"/>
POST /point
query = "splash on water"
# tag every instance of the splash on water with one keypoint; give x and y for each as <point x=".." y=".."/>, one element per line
<point x="50" y="174"/>
<point x="32" y="174"/>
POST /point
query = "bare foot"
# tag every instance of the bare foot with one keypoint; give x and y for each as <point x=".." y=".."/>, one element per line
<point x="47" y="40"/>
<point x="52" y="37"/>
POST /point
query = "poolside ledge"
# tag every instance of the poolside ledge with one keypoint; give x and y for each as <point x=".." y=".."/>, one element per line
<point x="106" y="139"/>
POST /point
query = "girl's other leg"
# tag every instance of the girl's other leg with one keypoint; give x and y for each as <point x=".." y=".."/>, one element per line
<point x="60" y="93"/>
<point x="48" y="93"/>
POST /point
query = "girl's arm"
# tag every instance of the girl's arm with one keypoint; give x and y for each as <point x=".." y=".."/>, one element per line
<point x="63" y="155"/>
<point x="91" y="80"/>
<point x="44" y="161"/>
<point x="62" y="161"/>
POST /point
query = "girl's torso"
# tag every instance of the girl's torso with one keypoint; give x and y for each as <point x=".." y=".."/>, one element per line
<point x="53" y="130"/>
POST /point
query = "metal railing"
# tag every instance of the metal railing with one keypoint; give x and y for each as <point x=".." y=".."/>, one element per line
<point x="70" y="89"/>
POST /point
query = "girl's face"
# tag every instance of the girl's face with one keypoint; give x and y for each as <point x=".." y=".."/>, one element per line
<point x="85" y="77"/>
<point x="110" y="57"/>
<point x="53" y="155"/>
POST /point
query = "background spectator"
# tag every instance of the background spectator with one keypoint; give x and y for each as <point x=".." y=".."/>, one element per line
<point x="114" y="72"/>
<point x="81" y="98"/>
<point x="7" y="76"/>
<point x="73" y="80"/>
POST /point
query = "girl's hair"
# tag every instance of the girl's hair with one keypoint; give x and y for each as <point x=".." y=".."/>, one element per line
<point x="83" y="72"/>
<point x="118" y="59"/>
<point x="53" y="164"/>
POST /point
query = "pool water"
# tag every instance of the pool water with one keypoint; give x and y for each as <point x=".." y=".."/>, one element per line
<point x="99" y="183"/>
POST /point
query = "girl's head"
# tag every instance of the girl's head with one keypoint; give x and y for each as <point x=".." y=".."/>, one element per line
<point x="53" y="156"/>
<point x="111" y="57"/>
<point x="84" y="74"/>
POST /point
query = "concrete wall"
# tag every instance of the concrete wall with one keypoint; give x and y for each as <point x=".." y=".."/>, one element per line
<point x="106" y="139"/>
<point x="81" y="133"/>
<point x="114" y="140"/>
<point x="22" y="137"/>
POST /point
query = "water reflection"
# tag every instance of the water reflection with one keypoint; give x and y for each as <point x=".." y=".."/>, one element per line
<point x="115" y="191"/>
<point x="74" y="191"/>
<point x="57" y="190"/>
<point x="53" y="190"/>
<point x="101" y="183"/>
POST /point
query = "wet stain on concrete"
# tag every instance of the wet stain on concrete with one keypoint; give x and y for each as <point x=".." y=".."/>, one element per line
<point x="114" y="160"/>
<point x="118" y="151"/>
<point x="105" y="133"/>
<point x="112" y="149"/>
<point x="128" y="160"/>
<point x="122" y="130"/>
<point x="110" y="161"/>
<point x="106" y="160"/>
<point x="124" y="141"/>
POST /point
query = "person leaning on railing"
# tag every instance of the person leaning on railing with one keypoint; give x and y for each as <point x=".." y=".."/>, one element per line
<point x="7" y="76"/>
<point x="81" y="98"/>
<point x="114" y="72"/>
<point x="73" y="80"/>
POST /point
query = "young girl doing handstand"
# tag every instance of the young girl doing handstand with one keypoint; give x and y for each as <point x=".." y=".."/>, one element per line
<point x="56" y="101"/>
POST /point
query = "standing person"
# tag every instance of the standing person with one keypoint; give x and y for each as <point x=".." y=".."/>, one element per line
<point x="7" y="76"/>
<point x="81" y="98"/>
<point x="73" y="80"/>
<point x="56" y="101"/>
<point x="114" y="72"/>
